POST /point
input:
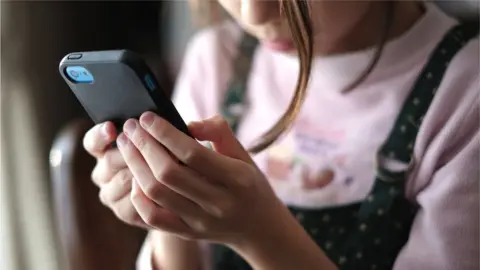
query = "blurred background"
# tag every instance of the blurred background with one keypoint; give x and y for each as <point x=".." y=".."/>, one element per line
<point x="49" y="206"/>
<point x="50" y="214"/>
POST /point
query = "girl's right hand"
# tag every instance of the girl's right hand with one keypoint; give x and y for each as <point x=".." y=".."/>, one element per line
<point x="111" y="173"/>
<point x="114" y="179"/>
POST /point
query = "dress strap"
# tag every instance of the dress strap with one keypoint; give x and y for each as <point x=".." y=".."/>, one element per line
<point x="395" y="157"/>
<point x="400" y="142"/>
<point x="234" y="103"/>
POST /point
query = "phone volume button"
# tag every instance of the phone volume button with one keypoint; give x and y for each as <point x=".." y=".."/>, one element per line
<point x="149" y="82"/>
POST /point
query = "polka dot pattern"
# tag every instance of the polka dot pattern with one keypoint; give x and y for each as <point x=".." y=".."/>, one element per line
<point x="368" y="234"/>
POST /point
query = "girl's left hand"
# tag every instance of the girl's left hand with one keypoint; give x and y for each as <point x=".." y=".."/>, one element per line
<point x="186" y="189"/>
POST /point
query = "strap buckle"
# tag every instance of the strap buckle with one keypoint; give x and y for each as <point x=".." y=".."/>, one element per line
<point x="391" y="170"/>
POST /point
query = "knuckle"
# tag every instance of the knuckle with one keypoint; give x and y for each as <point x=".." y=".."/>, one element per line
<point x="87" y="141"/>
<point x="125" y="216"/>
<point x="153" y="190"/>
<point x="96" y="175"/>
<point x="134" y="220"/>
<point x="158" y="129"/>
<point x="135" y="196"/>
<point x="222" y="122"/>
<point x="246" y="180"/>
<point x="103" y="197"/>
<point x="150" y="219"/>
<point x="130" y="222"/>
<point x="141" y="143"/>
<point x="127" y="213"/>
<point x="192" y="155"/>
<point x="243" y="182"/>
<point x="251" y="171"/>
<point x="137" y="220"/>
<point x="167" y="174"/>
<point x="124" y="178"/>
<point x="201" y="225"/>
<point x="92" y="140"/>
<point x="85" y="144"/>
<point x="109" y="159"/>
<point x="158" y="174"/>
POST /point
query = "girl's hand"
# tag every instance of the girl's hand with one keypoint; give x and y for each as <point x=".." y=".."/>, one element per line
<point x="111" y="173"/>
<point x="220" y="195"/>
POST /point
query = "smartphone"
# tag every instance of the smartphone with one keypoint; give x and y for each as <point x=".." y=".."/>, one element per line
<point x="115" y="86"/>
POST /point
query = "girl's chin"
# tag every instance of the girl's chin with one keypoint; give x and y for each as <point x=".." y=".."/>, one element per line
<point x="285" y="46"/>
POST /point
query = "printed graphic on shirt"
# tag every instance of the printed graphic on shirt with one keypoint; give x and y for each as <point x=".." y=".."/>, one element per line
<point x="308" y="157"/>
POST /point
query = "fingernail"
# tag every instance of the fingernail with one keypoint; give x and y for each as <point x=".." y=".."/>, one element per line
<point x="130" y="127"/>
<point x="105" y="131"/>
<point x="122" y="140"/>
<point x="147" y="118"/>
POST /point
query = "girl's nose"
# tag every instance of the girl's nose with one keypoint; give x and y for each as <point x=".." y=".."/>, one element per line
<point x="256" y="12"/>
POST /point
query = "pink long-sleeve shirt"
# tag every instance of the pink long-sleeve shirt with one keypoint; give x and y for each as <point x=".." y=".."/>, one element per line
<point x="332" y="144"/>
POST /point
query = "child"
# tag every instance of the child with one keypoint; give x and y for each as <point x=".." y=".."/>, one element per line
<point x="372" y="165"/>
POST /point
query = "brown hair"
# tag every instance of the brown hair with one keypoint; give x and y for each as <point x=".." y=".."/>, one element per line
<point x="298" y="17"/>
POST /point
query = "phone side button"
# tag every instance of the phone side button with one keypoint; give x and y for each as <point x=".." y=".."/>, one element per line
<point x="149" y="82"/>
<point x="74" y="56"/>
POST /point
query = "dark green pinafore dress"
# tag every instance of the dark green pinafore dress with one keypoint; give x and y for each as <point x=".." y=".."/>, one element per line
<point x="368" y="234"/>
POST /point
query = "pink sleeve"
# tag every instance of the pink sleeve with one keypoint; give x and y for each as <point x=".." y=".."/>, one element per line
<point x="205" y="72"/>
<point x="186" y="95"/>
<point x="445" y="233"/>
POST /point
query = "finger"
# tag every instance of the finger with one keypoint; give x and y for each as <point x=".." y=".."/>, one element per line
<point x="138" y="166"/>
<point x="188" y="211"/>
<point x="195" y="188"/>
<point x="150" y="186"/>
<point x="156" y="216"/>
<point x="98" y="138"/>
<point x="186" y="149"/>
<point x="146" y="146"/>
<point x="126" y="212"/>
<point x="217" y="131"/>
<point x="108" y="165"/>
<point x="180" y="179"/>
<point x="118" y="188"/>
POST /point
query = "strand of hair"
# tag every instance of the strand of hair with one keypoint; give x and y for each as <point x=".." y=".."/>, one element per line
<point x="298" y="17"/>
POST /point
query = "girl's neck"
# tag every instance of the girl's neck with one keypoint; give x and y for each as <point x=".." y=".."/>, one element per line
<point x="370" y="31"/>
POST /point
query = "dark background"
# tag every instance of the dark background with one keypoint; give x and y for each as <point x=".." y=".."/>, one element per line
<point x="45" y="31"/>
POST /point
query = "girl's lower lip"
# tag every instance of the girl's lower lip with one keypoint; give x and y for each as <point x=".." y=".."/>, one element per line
<point x="279" y="45"/>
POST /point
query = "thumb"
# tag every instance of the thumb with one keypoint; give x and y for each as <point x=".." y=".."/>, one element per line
<point x="217" y="131"/>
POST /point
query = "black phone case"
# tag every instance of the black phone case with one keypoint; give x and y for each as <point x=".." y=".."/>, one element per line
<point x="123" y="88"/>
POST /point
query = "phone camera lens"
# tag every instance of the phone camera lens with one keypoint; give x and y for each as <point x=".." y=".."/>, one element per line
<point x="78" y="74"/>
<point x="74" y="74"/>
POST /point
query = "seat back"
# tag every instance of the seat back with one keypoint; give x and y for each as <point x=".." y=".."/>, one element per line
<point x="91" y="236"/>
